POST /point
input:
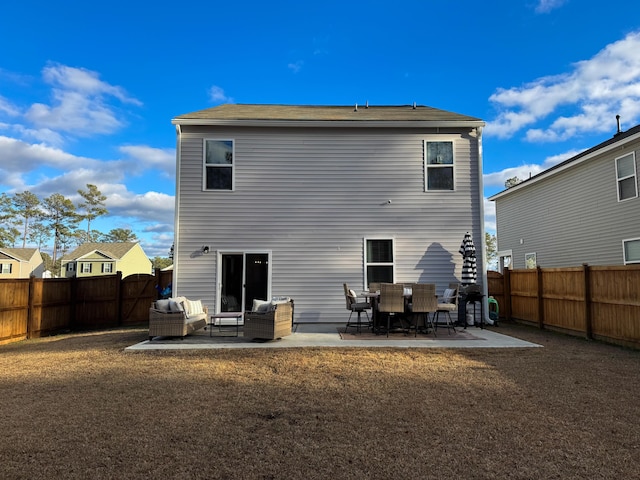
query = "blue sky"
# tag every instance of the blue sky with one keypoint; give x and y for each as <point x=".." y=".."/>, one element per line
<point x="88" y="89"/>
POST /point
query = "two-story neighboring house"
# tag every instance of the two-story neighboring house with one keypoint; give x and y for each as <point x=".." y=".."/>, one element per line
<point x="583" y="210"/>
<point x="20" y="263"/>
<point x="93" y="259"/>
<point x="280" y="200"/>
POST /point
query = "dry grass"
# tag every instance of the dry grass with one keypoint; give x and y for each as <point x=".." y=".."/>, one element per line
<point x="77" y="406"/>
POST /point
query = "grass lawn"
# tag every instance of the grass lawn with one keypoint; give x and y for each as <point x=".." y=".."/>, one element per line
<point x="78" y="406"/>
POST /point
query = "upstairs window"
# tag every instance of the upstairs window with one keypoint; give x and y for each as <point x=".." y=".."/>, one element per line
<point x="107" y="267"/>
<point x="218" y="164"/>
<point x="438" y="165"/>
<point x="626" y="177"/>
<point x="379" y="261"/>
<point x="70" y="266"/>
<point x="6" y="268"/>
<point x="86" y="268"/>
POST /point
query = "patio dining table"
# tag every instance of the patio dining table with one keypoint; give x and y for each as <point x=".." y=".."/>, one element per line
<point x="374" y="297"/>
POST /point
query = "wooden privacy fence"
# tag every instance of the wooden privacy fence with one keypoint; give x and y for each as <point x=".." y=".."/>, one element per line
<point x="600" y="302"/>
<point x="36" y="307"/>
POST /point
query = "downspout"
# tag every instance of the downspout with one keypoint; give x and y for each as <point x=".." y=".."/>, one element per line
<point x="176" y="215"/>
<point x="485" y="287"/>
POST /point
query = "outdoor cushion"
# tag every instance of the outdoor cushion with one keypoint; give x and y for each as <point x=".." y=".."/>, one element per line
<point x="193" y="307"/>
<point x="449" y="295"/>
<point x="163" y="305"/>
<point x="261" y="306"/>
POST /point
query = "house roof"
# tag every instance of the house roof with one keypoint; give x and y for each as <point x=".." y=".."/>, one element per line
<point x="114" y="250"/>
<point x="21" y="254"/>
<point x="616" y="141"/>
<point x="319" y="115"/>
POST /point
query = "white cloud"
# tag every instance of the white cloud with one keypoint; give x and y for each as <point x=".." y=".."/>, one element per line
<point x="79" y="103"/>
<point x="149" y="157"/>
<point x="217" y="95"/>
<point x="295" y="67"/>
<point x="545" y="6"/>
<point x="595" y="91"/>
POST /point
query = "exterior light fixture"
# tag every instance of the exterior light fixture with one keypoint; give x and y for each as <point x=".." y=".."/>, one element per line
<point x="205" y="249"/>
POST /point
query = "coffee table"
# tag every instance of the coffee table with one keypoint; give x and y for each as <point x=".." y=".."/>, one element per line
<point x="221" y="316"/>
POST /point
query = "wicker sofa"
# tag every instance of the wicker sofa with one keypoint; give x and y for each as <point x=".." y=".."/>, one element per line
<point x="271" y="323"/>
<point x="176" y="317"/>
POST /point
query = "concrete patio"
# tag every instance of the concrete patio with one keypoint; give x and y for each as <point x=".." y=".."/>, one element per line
<point x="326" y="335"/>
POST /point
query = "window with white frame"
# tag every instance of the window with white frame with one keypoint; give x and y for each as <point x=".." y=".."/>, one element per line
<point x="631" y="250"/>
<point x="379" y="260"/>
<point x="626" y="176"/>
<point x="6" y="268"/>
<point x="107" y="267"/>
<point x="438" y="165"/>
<point x="218" y="164"/>
<point x="530" y="260"/>
<point x="71" y="267"/>
<point x="86" y="267"/>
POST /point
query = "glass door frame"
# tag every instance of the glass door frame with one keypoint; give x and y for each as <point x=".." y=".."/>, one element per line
<point x="244" y="253"/>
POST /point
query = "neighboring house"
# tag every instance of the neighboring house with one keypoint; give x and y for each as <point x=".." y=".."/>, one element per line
<point x="20" y="263"/>
<point x="93" y="259"/>
<point x="583" y="210"/>
<point x="275" y="200"/>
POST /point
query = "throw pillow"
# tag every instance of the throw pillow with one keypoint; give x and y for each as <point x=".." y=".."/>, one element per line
<point x="261" y="306"/>
<point x="352" y="293"/>
<point x="163" y="305"/>
<point x="193" y="307"/>
<point x="449" y="295"/>
<point x="176" y="305"/>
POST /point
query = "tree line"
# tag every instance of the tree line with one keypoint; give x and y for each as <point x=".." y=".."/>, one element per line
<point x="24" y="217"/>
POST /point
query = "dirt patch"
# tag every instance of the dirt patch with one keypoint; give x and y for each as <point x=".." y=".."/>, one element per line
<point x="78" y="406"/>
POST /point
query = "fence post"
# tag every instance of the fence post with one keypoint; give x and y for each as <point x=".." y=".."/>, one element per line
<point x="30" y="302"/>
<point x="540" y="298"/>
<point x="74" y="300"/>
<point x="119" y="296"/>
<point x="587" y="301"/>
<point x="506" y="288"/>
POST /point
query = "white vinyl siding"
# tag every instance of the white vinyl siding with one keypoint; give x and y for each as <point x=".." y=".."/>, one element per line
<point x="571" y="217"/>
<point x="310" y="196"/>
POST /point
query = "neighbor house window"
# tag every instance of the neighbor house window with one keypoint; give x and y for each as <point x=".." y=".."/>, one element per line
<point x="631" y="250"/>
<point x="86" y="268"/>
<point x="379" y="260"/>
<point x="438" y="165"/>
<point x="626" y="176"/>
<point x="218" y="164"/>
<point x="70" y="267"/>
<point x="530" y="260"/>
<point x="107" y="267"/>
<point x="6" y="268"/>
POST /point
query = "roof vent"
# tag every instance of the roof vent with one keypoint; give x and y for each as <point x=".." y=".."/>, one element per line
<point x="619" y="130"/>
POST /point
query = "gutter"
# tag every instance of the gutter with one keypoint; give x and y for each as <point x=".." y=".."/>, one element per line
<point x="331" y="123"/>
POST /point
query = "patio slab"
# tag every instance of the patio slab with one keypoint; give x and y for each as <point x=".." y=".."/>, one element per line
<point x="326" y="335"/>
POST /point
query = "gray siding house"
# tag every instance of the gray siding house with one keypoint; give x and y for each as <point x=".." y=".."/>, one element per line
<point x="294" y="201"/>
<point x="583" y="210"/>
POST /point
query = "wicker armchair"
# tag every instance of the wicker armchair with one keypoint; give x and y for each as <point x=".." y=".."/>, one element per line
<point x="269" y="325"/>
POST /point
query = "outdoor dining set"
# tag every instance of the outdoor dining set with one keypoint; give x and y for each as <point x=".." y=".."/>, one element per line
<point x="408" y="308"/>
